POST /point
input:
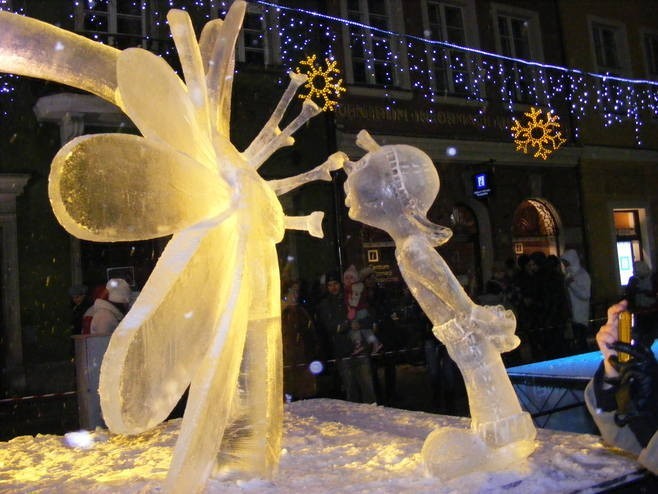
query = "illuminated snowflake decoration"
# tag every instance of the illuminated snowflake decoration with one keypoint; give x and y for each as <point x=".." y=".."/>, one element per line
<point x="324" y="86"/>
<point x="540" y="133"/>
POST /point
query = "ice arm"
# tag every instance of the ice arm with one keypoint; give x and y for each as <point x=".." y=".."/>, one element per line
<point x="271" y="129"/>
<point x="312" y="223"/>
<point x="271" y="138"/>
<point x="321" y="172"/>
<point x="431" y="271"/>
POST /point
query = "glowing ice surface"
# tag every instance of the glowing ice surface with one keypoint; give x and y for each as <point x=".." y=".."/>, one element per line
<point x="392" y="188"/>
<point x="209" y="315"/>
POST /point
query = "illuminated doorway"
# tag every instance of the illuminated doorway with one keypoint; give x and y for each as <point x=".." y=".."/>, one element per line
<point x="535" y="228"/>
<point x="629" y="241"/>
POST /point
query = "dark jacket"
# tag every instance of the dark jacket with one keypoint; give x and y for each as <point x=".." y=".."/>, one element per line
<point x="331" y="315"/>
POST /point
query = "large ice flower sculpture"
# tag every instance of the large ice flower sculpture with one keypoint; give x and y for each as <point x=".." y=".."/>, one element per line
<point x="209" y="315"/>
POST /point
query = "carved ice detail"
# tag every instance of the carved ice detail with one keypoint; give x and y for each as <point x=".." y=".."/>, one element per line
<point x="392" y="188"/>
<point x="209" y="315"/>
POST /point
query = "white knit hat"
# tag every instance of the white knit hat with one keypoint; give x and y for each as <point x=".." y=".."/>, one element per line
<point x="119" y="291"/>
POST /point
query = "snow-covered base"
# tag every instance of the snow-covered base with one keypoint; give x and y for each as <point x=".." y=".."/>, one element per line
<point x="329" y="446"/>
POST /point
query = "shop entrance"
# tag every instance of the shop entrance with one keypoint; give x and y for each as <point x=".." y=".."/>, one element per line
<point x="535" y="228"/>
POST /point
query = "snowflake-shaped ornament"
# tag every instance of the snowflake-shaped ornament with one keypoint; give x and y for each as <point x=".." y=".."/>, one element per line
<point x="323" y="86"/>
<point x="540" y="133"/>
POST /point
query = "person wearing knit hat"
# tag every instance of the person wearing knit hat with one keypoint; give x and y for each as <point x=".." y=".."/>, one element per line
<point x="107" y="314"/>
<point x="118" y="291"/>
<point x="80" y="302"/>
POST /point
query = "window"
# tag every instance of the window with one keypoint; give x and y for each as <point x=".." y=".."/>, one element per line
<point x="610" y="51"/>
<point x="258" y="43"/>
<point x="518" y="36"/>
<point x="120" y="23"/>
<point x="651" y="54"/>
<point x="629" y="241"/>
<point x="371" y="52"/>
<point x="447" y="21"/>
<point x="606" y="48"/>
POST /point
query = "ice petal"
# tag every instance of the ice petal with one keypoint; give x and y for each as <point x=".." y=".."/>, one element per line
<point x="157" y="348"/>
<point x="159" y="103"/>
<point x="207" y="40"/>
<point x="214" y="408"/>
<point x="212" y="393"/>
<point x="36" y="49"/>
<point x="119" y="187"/>
<point x="190" y="58"/>
<point x="221" y="65"/>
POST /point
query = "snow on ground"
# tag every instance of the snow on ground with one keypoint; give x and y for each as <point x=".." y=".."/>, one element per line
<point x="329" y="446"/>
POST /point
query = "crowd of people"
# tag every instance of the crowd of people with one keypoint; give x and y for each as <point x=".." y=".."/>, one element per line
<point x="351" y="324"/>
<point x="550" y="297"/>
<point x="347" y="323"/>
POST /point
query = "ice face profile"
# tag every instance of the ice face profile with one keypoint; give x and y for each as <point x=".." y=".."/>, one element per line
<point x="392" y="188"/>
<point x="209" y="315"/>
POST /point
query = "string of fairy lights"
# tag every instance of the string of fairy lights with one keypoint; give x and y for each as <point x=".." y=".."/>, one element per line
<point x="392" y="62"/>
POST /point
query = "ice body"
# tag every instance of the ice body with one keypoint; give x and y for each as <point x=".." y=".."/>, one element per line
<point x="209" y="315"/>
<point x="392" y="188"/>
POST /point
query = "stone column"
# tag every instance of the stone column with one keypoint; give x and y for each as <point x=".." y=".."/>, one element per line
<point x="11" y="185"/>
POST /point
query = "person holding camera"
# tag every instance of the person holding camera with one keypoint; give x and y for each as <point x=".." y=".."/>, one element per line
<point x="623" y="395"/>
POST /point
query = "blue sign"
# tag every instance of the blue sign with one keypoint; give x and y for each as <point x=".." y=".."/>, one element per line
<point x="481" y="184"/>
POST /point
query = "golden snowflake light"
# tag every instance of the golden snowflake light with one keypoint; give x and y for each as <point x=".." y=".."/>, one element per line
<point x="539" y="132"/>
<point x="323" y="86"/>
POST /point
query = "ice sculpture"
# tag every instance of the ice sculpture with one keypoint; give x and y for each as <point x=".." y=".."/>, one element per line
<point x="392" y="188"/>
<point x="209" y="315"/>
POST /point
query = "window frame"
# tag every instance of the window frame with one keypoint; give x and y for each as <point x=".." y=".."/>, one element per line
<point x="621" y="44"/>
<point x="639" y="240"/>
<point x="608" y="89"/>
<point x="534" y="47"/>
<point x="269" y="30"/>
<point x="394" y="20"/>
<point x="650" y="55"/>
<point x="113" y="17"/>
<point x="470" y="34"/>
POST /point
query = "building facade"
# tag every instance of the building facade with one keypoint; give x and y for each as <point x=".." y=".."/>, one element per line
<point x="447" y="76"/>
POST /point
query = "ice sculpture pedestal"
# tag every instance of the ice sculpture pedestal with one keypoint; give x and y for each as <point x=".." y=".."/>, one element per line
<point x="89" y="351"/>
<point x="328" y="446"/>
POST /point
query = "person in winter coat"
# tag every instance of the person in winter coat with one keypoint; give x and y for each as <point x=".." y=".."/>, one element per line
<point x="623" y="396"/>
<point x="80" y="303"/>
<point x="579" y="288"/>
<point x="107" y="314"/>
<point x="355" y="371"/>
<point x="642" y="302"/>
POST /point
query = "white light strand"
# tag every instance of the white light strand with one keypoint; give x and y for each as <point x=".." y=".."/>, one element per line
<point x="435" y="69"/>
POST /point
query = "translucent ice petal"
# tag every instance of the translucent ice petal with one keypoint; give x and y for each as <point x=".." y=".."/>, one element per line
<point x="190" y="59"/>
<point x="258" y="453"/>
<point x="36" y="49"/>
<point x="257" y="411"/>
<point x="207" y="40"/>
<point x="221" y="66"/>
<point x="159" y="103"/>
<point x="255" y="450"/>
<point x="119" y="187"/>
<point x="157" y="348"/>
<point x="213" y="390"/>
